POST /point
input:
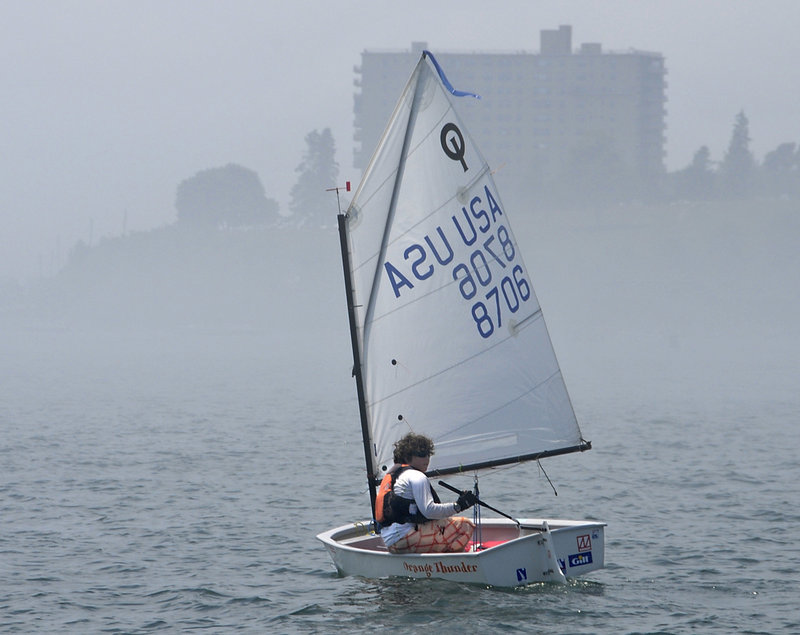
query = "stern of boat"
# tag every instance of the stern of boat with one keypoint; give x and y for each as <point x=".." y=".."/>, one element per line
<point x="579" y="546"/>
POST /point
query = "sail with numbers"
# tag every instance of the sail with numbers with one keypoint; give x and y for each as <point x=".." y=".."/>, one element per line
<point x="451" y="337"/>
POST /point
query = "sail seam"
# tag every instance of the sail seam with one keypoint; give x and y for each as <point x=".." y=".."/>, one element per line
<point x="555" y="374"/>
<point x="525" y="323"/>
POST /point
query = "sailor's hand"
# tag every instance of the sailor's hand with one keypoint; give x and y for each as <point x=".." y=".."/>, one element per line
<point x="466" y="500"/>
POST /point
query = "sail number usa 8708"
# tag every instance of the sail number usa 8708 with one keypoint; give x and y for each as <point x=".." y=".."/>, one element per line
<point x="477" y="250"/>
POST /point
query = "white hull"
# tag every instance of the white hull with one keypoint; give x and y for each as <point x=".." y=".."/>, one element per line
<point x="513" y="556"/>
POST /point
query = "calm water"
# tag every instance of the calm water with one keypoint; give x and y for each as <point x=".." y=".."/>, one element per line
<point x="171" y="482"/>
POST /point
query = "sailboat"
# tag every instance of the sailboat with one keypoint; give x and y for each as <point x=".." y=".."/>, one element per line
<point x="449" y="341"/>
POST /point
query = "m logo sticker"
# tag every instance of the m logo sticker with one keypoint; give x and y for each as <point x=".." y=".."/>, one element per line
<point x="584" y="543"/>
<point x="522" y="574"/>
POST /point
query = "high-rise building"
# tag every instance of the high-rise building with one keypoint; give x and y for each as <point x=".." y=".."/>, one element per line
<point x="543" y="116"/>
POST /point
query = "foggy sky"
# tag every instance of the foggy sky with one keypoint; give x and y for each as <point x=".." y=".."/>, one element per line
<point x="107" y="106"/>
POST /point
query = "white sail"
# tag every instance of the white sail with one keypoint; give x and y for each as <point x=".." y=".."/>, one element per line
<point x="451" y="338"/>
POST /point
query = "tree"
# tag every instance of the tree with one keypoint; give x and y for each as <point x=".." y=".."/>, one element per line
<point x="696" y="182"/>
<point x="738" y="168"/>
<point x="318" y="171"/>
<point x="229" y="196"/>
<point x="781" y="171"/>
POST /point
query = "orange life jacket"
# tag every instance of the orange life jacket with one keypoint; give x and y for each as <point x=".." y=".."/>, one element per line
<point x="390" y="508"/>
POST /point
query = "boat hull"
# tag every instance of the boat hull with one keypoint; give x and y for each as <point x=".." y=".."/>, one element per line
<point x="512" y="556"/>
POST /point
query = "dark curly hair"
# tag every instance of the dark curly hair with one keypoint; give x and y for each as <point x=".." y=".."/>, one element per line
<point x="412" y="445"/>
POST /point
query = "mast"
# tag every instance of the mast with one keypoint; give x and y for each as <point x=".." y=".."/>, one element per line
<point x="357" y="370"/>
<point x="351" y="311"/>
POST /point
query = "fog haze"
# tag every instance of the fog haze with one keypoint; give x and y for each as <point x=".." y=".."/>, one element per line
<point x="107" y="106"/>
<point x="172" y="388"/>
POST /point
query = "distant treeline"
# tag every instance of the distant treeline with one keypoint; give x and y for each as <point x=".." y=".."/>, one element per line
<point x="597" y="175"/>
<point x="232" y="196"/>
<point x="180" y="275"/>
<point x="739" y="175"/>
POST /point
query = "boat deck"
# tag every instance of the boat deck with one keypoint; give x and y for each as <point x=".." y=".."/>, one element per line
<point x="493" y="534"/>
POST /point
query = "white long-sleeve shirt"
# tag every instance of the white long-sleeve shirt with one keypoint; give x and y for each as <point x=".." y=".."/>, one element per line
<point x="413" y="485"/>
